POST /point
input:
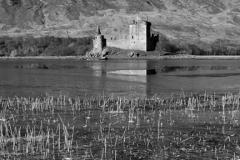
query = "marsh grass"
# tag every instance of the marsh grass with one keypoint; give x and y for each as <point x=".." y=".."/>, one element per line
<point x="100" y="127"/>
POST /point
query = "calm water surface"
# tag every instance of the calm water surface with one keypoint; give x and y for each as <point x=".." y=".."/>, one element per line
<point x="91" y="77"/>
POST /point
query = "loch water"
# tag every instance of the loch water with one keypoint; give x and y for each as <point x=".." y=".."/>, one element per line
<point x="86" y="78"/>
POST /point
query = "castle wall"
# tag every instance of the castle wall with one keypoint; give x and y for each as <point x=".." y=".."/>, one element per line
<point x="99" y="42"/>
<point x="139" y="38"/>
<point x="121" y="43"/>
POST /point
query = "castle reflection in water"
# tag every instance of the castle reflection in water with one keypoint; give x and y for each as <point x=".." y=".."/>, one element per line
<point x="101" y="69"/>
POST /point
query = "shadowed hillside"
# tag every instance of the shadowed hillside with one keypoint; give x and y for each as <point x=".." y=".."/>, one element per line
<point x="190" y="21"/>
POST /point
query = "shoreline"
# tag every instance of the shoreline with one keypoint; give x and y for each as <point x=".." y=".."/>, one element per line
<point x="46" y="58"/>
<point x="171" y="57"/>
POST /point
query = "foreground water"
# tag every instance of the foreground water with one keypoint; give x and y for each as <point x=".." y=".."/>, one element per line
<point x="91" y="77"/>
<point x="99" y="127"/>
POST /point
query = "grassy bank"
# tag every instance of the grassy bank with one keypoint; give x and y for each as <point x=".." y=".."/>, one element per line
<point x="218" y="47"/>
<point x="44" y="46"/>
<point x="124" y="57"/>
<point x="174" y="57"/>
<point x="46" y="57"/>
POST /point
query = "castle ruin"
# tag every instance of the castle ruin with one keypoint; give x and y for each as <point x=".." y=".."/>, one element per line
<point x="139" y="38"/>
<point x="99" y="43"/>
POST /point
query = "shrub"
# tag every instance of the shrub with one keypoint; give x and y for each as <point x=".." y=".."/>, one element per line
<point x="218" y="47"/>
<point x="48" y="46"/>
<point x="82" y="50"/>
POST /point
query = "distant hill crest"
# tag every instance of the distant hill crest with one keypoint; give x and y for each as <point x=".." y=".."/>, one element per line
<point x="193" y="20"/>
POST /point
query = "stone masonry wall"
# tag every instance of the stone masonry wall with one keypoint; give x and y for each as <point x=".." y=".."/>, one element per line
<point x="99" y="43"/>
<point x="139" y="38"/>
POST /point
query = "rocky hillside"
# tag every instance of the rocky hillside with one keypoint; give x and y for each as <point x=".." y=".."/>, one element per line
<point x="185" y="20"/>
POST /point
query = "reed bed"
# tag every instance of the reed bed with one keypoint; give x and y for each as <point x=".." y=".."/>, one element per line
<point x="107" y="127"/>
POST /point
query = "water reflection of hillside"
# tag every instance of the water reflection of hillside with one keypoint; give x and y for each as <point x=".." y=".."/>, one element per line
<point x="168" y="69"/>
<point x="209" y="75"/>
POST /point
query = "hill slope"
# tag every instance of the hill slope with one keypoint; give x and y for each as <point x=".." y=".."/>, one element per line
<point x="189" y="20"/>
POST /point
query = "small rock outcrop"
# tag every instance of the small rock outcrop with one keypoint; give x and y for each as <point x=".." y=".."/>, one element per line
<point x="103" y="53"/>
<point x="133" y="54"/>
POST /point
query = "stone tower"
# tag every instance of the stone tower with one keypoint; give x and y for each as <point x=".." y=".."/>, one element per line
<point x="140" y="35"/>
<point x="99" y="42"/>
